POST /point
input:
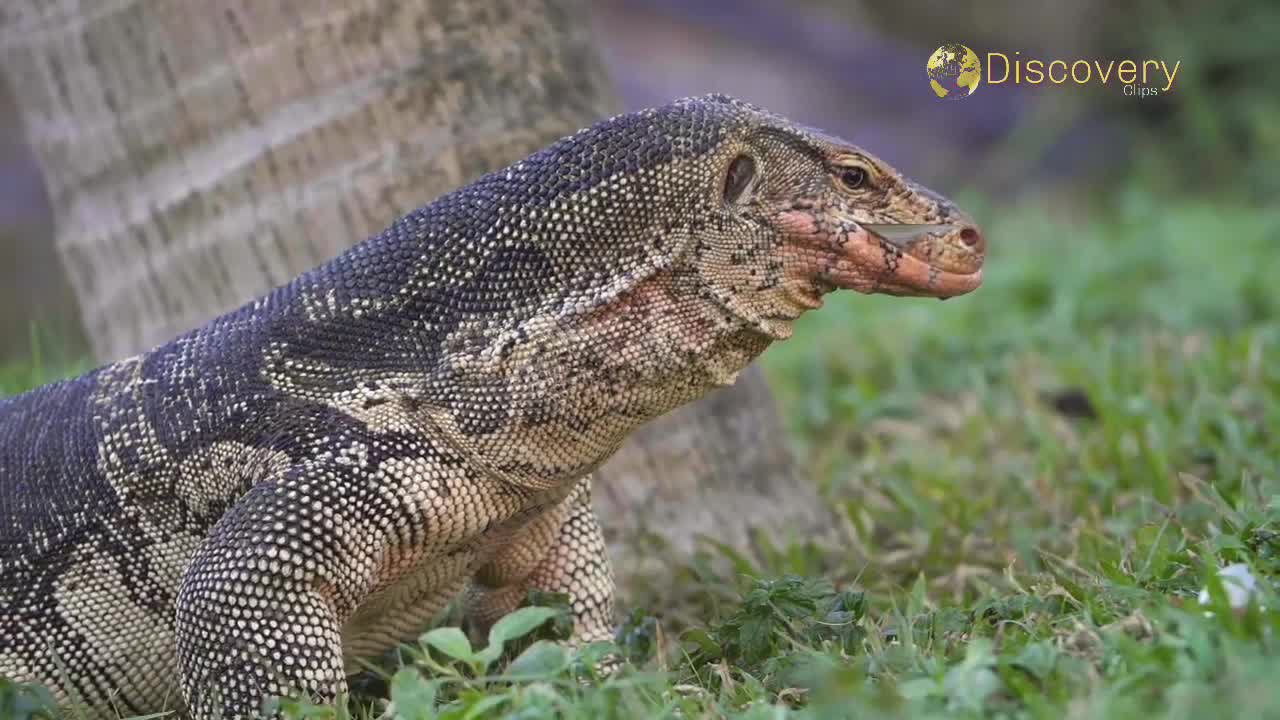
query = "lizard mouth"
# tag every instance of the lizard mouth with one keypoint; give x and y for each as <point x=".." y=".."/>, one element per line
<point x="927" y="260"/>
<point x="937" y="260"/>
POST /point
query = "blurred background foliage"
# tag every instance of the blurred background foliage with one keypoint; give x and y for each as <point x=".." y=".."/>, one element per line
<point x="857" y="68"/>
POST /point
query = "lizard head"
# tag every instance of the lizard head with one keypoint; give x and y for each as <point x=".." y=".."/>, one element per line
<point x="802" y="214"/>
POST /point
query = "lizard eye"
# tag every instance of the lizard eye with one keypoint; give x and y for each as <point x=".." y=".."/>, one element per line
<point x="741" y="172"/>
<point x="853" y="177"/>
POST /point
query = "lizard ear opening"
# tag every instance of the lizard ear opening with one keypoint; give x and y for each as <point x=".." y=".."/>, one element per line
<point x="739" y="178"/>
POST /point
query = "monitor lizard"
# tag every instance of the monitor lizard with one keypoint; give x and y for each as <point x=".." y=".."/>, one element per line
<point x="248" y="509"/>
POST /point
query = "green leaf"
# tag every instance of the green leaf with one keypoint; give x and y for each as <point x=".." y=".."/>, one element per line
<point x="1228" y="541"/>
<point x="969" y="684"/>
<point x="540" y="659"/>
<point x="1037" y="658"/>
<point x="452" y="642"/>
<point x="519" y="623"/>
<point x="21" y="701"/>
<point x="594" y="654"/>
<point x="512" y="626"/>
<point x="483" y="706"/>
<point x="703" y="640"/>
<point x="1156" y="545"/>
<point x="756" y="638"/>
<point x="917" y="601"/>
<point x="919" y="688"/>
<point x="413" y="695"/>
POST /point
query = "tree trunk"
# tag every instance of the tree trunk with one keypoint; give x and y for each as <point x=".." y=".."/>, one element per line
<point x="199" y="153"/>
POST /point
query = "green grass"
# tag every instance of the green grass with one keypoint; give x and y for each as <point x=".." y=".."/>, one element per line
<point x="1033" y="483"/>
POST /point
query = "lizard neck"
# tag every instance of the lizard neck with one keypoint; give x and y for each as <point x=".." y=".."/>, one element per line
<point x="538" y="388"/>
<point x="567" y="391"/>
<point x="531" y="319"/>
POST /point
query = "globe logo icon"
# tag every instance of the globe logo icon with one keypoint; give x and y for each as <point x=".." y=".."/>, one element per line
<point x="954" y="71"/>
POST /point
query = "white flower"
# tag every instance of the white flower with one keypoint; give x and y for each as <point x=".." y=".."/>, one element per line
<point x="1239" y="583"/>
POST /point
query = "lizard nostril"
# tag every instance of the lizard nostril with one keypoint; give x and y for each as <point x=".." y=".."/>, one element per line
<point x="972" y="237"/>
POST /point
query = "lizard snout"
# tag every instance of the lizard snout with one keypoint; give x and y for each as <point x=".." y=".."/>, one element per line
<point x="950" y="248"/>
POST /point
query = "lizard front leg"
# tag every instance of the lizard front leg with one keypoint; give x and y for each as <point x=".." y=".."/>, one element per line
<point x="562" y="551"/>
<point x="261" y="604"/>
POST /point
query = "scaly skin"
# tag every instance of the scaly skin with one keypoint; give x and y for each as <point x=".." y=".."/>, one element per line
<point x="244" y="511"/>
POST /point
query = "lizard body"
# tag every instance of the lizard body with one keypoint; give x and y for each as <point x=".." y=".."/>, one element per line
<point x="305" y="481"/>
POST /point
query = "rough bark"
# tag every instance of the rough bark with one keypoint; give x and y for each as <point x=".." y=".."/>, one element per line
<point x="197" y="153"/>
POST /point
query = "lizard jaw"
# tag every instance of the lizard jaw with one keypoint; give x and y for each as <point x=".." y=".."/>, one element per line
<point x="909" y="260"/>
